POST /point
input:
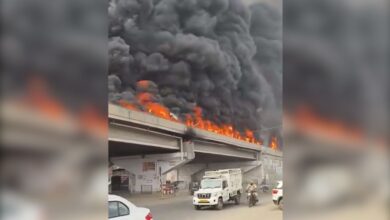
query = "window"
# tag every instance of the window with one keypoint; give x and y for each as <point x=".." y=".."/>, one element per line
<point x="149" y="166"/>
<point x="113" y="209"/>
<point x="116" y="209"/>
<point x="224" y="184"/>
<point x="210" y="184"/>
<point x="123" y="210"/>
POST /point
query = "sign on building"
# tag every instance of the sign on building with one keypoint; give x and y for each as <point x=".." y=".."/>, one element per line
<point x="149" y="166"/>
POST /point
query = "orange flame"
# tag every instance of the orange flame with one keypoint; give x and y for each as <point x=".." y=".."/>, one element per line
<point x="144" y="98"/>
<point x="40" y="99"/>
<point x="197" y="121"/>
<point x="274" y="143"/>
<point x="307" y="120"/>
<point x="147" y="101"/>
<point x="143" y="84"/>
<point x="91" y="120"/>
<point x="159" y="110"/>
<point x="127" y="105"/>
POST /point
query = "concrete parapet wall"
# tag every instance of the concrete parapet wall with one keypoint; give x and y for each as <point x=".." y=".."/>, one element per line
<point x="145" y="119"/>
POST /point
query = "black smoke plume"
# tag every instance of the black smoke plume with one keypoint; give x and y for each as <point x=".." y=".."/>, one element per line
<point x="335" y="60"/>
<point x="221" y="55"/>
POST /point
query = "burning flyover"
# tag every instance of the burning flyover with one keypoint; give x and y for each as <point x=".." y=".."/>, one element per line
<point x="137" y="138"/>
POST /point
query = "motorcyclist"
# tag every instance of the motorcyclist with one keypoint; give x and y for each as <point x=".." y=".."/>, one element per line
<point x="252" y="188"/>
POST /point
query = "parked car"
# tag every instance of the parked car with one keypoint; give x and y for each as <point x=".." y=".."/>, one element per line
<point x="120" y="208"/>
<point x="14" y="206"/>
<point x="277" y="194"/>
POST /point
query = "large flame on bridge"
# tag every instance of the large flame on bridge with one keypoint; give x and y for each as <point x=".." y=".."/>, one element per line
<point x="306" y="120"/>
<point x="39" y="99"/>
<point x="226" y="129"/>
<point x="273" y="144"/>
<point x="145" y="101"/>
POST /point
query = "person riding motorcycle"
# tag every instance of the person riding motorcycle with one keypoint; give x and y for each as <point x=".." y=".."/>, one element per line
<point x="252" y="188"/>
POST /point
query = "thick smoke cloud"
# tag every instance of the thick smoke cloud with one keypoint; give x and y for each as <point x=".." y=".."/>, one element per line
<point x="221" y="55"/>
<point x="336" y="60"/>
<point x="266" y="30"/>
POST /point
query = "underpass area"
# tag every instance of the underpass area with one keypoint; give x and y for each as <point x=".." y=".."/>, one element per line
<point x="147" y="154"/>
<point x="148" y="167"/>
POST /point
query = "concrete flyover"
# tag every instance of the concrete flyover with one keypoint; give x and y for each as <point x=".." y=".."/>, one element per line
<point x="138" y="133"/>
<point x="138" y="137"/>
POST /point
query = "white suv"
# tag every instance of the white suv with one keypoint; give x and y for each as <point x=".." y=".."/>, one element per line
<point x="277" y="194"/>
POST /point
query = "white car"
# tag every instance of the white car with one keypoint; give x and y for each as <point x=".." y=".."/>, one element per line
<point x="15" y="207"/>
<point x="121" y="209"/>
<point x="277" y="194"/>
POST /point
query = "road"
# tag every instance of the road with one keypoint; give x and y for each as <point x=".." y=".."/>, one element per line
<point x="180" y="207"/>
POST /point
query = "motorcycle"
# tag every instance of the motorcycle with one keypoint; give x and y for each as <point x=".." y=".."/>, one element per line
<point x="252" y="199"/>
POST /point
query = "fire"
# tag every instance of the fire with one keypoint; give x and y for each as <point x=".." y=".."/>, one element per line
<point x="143" y="84"/>
<point x="40" y="99"/>
<point x="307" y="120"/>
<point x="91" y="120"/>
<point x="273" y="143"/>
<point x="197" y="121"/>
<point x="127" y="105"/>
<point x="249" y="137"/>
<point x="159" y="110"/>
<point x="147" y="101"/>
<point x="144" y="98"/>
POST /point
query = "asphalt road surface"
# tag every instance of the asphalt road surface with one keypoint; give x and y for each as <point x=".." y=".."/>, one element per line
<point x="180" y="207"/>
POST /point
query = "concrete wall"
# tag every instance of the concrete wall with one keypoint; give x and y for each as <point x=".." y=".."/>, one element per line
<point x="255" y="172"/>
<point x="254" y="175"/>
<point x="272" y="168"/>
<point x="146" y="179"/>
<point x="269" y="170"/>
<point x="185" y="173"/>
